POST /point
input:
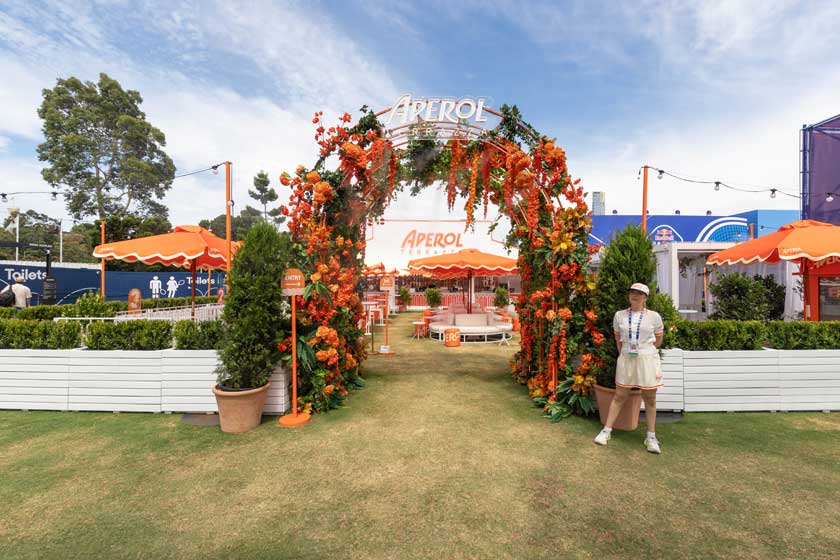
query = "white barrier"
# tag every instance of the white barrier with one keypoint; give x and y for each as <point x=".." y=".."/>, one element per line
<point x="182" y="381"/>
<point x="119" y="381"/>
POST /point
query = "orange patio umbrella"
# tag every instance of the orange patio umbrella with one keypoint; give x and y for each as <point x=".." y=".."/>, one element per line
<point x="797" y="241"/>
<point x="466" y="263"/>
<point x="191" y="247"/>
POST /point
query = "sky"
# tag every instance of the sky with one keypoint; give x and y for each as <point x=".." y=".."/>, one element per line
<point x="714" y="90"/>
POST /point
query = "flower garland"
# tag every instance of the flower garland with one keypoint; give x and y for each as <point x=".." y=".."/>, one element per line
<point x="525" y="175"/>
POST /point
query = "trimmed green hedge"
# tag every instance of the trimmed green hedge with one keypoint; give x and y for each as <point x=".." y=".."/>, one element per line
<point x="803" y="335"/>
<point x="20" y="334"/>
<point x="206" y="335"/>
<point x="129" y="335"/>
<point x="109" y="308"/>
<point x="752" y="335"/>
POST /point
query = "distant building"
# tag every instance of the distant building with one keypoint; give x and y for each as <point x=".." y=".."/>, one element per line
<point x="599" y="203"/>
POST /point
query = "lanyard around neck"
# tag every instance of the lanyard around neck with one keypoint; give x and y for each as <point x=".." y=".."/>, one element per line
<point x="638" y="325"/>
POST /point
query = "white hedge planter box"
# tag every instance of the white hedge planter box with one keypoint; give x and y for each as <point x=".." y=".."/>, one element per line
<point x="119" y="381"/>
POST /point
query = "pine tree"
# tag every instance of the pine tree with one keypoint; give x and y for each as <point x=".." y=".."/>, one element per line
<point x="264" y="194"/>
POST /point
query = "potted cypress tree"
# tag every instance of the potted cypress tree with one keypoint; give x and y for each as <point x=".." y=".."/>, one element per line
<point x="501" y="299"/>
<point x="403" y="299"/>
<point x="627" y="259"/>
<point x="433" y="297"/>
<point x="249" y="352"/>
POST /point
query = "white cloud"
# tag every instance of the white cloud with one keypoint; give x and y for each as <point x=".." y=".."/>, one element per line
<point x="311" y="64"/>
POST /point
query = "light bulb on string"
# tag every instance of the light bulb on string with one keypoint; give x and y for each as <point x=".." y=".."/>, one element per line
<point x="829" y="197"/>
<point x="772" y="193"/>
<point x="660" y="173"/>
<point x="717" y="185"/>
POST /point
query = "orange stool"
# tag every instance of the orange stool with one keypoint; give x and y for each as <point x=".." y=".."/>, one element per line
<point x="452" y="337"/>
<point x="420" y="329"/>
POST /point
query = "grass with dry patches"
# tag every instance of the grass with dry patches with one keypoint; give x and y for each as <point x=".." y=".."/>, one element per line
<point x="440" y="456"/>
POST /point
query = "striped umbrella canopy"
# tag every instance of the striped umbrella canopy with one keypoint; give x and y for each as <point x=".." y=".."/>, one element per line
<point x="466" y="263"/>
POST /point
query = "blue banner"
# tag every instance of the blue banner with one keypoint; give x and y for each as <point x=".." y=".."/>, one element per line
<point x="73" y="282"/>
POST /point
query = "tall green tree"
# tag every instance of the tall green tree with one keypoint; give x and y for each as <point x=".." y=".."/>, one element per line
<point x="102" y="153"/>
<point x="36" y="227"/>
<point x="263" y="193"/>
<point x="240" y="225"/>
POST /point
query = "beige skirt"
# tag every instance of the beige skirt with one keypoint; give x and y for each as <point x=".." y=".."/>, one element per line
<point x="643" y="371"/>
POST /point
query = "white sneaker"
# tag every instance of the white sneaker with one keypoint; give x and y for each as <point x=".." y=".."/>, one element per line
<point x="652" y="445"/>
<point x="603" y="437"/>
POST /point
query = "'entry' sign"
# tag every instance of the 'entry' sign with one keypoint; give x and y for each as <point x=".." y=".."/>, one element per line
<point x="293" y="282"/>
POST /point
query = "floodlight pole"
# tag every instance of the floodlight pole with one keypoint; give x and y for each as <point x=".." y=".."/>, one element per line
<point x="102" y="264"/>
<point x="644" y="198"/>
<point x="227" y="219"/>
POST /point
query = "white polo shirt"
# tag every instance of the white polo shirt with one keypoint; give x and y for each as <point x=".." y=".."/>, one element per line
<point x="22" y="295"/>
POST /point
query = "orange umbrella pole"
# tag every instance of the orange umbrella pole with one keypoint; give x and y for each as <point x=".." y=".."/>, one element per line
<point x="192" y="269"/>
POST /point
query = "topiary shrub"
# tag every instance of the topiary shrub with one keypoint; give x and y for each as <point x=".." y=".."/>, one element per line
<point x="90" y="304"/>
<point x="502" y="298"/>
<point x="129" y="335"/>
<point x="716" y="335"/>
<point x="628" y="259"/>
<point x="252" y="311"/>
<point x="741" y="298"/>
<point x="404" y="296"/>
<point x="433" y="297"/>
<point x="803" y="335"/>
<point x="205" y="335"/>
<point x="20" y="334"/>
<point x="41" y="312"/>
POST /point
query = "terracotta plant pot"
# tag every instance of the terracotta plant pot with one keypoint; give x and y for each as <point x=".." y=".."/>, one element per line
<point x="240" y="411"/>
<point x="628" y="419"/>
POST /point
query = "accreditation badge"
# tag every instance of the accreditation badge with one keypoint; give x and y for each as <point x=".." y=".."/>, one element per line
<point x="634" y="349"/>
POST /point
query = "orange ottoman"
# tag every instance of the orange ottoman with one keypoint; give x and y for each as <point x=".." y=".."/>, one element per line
<point x="452" y="337"/>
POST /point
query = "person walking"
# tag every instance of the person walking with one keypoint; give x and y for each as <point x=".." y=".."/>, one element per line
<point x="638" y="335"/>
<point x="23" y="295"/>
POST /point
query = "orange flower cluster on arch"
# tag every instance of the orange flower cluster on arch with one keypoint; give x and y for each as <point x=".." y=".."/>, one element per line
<point x="520" y="172"/>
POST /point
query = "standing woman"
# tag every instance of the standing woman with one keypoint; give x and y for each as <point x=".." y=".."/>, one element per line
<point x="638" y="335"/>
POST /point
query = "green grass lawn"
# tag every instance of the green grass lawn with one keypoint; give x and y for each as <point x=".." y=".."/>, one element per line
<point x="440" y="456"/>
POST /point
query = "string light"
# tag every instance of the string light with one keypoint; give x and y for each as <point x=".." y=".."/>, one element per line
<point x="829" y="197"/>
<point x="718" y="184"/>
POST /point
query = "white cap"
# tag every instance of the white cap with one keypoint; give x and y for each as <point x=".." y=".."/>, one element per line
<point x="641" y="288"/>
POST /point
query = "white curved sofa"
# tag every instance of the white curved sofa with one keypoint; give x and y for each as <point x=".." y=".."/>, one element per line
<point x="474" y="327"/>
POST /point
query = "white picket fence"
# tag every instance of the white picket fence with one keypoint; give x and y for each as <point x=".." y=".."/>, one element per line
<point x="181" y="381"/>
<point x="768" y="380"/>
<point x="119" y="381"/>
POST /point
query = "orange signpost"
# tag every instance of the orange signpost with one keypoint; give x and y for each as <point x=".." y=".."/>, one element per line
<point x="134" y="301"/>
<point x="293" y="284"/>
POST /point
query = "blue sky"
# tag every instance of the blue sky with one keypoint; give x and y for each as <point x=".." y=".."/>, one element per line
<point x="714" y="90"/>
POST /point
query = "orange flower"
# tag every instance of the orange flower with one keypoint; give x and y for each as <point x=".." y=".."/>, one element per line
<point x="565" y="314"/>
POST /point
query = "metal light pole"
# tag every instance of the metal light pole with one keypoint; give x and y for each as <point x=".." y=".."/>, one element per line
<point x="17" y="235"/>
<point x="61" y="240"/>
<point x="228" y="205"/>
<point x="644" y="198"/>
<point x="102" y="265"/>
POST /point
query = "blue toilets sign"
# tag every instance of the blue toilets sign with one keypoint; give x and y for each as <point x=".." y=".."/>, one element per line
<point x="73" y="282"/>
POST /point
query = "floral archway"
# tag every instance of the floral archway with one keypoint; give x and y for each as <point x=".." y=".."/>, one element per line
<point x="521" y="172"/>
